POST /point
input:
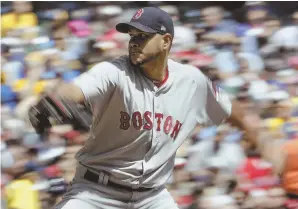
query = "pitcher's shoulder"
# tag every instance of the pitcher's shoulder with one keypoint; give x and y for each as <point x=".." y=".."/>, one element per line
<point x="117" y="66"/>
<point x="186" y="70"/>
<point x="122" y="63"/>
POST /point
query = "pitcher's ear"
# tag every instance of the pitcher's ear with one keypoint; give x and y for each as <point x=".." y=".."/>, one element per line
<point x="167" y="40"/>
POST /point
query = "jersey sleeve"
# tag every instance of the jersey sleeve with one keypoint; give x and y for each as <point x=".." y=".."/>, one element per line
<point x="218" y="103"/>
<point x="98" y="84"/>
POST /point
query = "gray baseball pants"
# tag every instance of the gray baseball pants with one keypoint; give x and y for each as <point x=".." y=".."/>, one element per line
<point x="88" y="195"/>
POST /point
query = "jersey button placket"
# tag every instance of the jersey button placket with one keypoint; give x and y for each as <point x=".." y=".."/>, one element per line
<point x="157" y="105"/>
<point x="154" y="132"/>
<point x="157" y="110"/>
<point x="158" y="136"/>
<point x="152" y="140"/>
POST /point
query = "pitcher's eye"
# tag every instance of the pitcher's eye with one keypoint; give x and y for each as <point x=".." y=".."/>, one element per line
<point x="144" y="36"/>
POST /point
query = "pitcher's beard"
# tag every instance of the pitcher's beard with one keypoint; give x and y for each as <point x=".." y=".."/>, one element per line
<point x="148" y="59"/>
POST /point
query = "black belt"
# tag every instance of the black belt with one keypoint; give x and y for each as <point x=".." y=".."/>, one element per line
<point x="93" y="177"/>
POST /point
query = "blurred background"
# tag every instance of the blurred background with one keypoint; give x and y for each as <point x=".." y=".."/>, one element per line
<point x="248" y="48"/>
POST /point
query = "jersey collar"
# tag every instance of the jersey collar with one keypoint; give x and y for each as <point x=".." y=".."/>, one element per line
<point x="159" y="84"/>
<point x="166" y="84"/>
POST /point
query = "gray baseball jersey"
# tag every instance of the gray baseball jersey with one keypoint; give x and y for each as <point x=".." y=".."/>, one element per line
<point x="138" y="126"/>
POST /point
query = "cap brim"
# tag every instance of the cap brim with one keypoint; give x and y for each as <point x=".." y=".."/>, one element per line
<point x="124" y="27"/>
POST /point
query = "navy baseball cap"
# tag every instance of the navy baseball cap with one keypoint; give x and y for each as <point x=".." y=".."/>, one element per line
<point x="149" y="20"/>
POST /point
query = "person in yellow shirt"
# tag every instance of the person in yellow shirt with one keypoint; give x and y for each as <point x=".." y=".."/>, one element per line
<point x="20" y="194"/>
<point x="21" y="17"/>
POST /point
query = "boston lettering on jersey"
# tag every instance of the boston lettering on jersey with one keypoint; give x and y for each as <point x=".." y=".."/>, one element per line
<point x="144" y="121"/>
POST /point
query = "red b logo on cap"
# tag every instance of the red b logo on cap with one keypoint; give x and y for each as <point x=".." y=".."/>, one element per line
<point x="138" y="14"/>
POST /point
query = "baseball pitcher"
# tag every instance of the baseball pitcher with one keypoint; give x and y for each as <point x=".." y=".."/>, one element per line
<point x="144" y="106"/>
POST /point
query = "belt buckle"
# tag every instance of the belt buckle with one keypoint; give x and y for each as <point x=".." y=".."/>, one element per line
<point x="94" y="177"/>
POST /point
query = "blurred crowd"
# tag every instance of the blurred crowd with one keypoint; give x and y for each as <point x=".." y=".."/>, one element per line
<point x="251" y="52"/>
